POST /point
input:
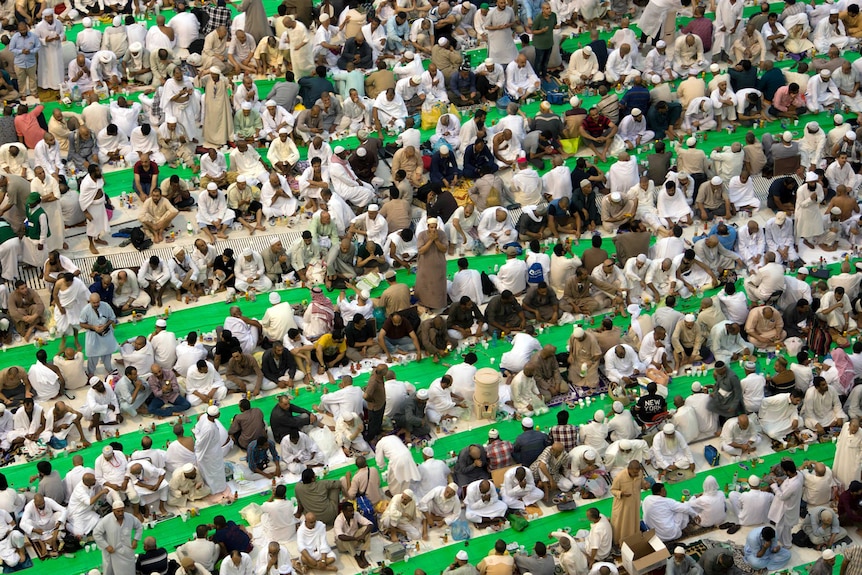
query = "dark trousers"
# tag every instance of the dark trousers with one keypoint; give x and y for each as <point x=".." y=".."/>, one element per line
<point x="156" y="406"/>
<point x="487" y="90"/>
<point x="375" y="424"/>
<point x="543" y="56"/>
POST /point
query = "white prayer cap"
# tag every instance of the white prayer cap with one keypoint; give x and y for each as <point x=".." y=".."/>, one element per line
<point x="828" y="554"/>
<point x="810" y="177"/>
<point x="409" y="54"/>
<point x="691" y="142"/>
<point x="599" y="415"/>
<point x="578" y="332"/>
<point x="285" y="569"/>
<point x="416" y="79"/>
<point x="215" y="70"/>
<point x="361" y="152"/>
<point x="618" y="407"/>
<point x="679" y="550"/>
<point x="462" y="555"/>
<point x="584" y="183"/>
<point x="582" y="534"/>
<point x="161" y="322"/>
<point x="588" y="51"/>
<point x="422" y="394"/>
<point x="590" y="455"/>
<point x="338" y="150"/>
<point x="373" y="208"/>
<point x="87" y="22"/>
<point x="428" y="452"/>
<point x="246" y="105"/>
<point x="270" y="103"/>
<point x="135" y="47"/>
<point x="493" y="434"/>
<point x="656" y="79"/>
<point x="171" y="119"/>
<point x="850" y="136"/>
<point x="107" y="451"/>
<point x="365" y="294"/>
<point x="835" y="211"/>
<point x="754" y="481"/>
<point x="625" y="444"/>
<point x="786" y="136"/>
<point x="714" y="68"/>
<point x="246" y="252"/>
<point x="527" y="422"/>
<point x="118" y="505"/>
<point x="780" y="218"/>
<point x="716" y="181"/>
<point x="834" y="11"/>
<point x="93" y="571"/>
<point x="117" y="21"/>
<point x="825" y="72"/>
<point x="636" y="112"/>
<point x="274" y="240"/>
<point x="104" y="57"/>
<point x="616" y="197"/>
<point x="241" y="178"/>
<point x="430" y="221"/>
<point x="689" y="317"/>
<point x="661" y="44"/>
<point x="813" y="126"/>
<point x="453" y="487"/>
<point x="574" y="101"/>
<point x="669" y="428"/>
<point x="47" y="12"/>
<point x="188" y="467"/>
<point x="442" y="41"/>
<point x="696" y="387"/>
<point x="489" y="61"/>
<point x="213" y="186"/>
<point x="324" y="17"/>
<point x="283" y="131"/>
<point x="641" y="258"/>
<point x="838" y="119"/>
<point x="93" y="380"/>
<point x="804" y="271"/>
<point x="213" y="411"/>
<point x="274" y="298"/>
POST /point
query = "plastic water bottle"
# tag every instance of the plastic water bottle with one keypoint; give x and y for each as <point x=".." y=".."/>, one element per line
<point x="190" y="229"/>
<point x="495" y="338"/>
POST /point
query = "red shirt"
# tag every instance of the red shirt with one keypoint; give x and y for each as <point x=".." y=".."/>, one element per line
<point x="596" y="127"/>
<point x="27" y="127"/>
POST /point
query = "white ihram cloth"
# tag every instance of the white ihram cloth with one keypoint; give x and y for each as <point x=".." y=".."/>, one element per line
<point x="209" y="450"/>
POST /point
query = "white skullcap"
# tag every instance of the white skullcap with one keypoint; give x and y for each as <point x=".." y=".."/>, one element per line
<point x="780" y="218"/>
<point x="493" y="434"/>
<point x="696" y="387"/>
<point x="409" y="54"/>
<point x="835" y="211"/>
<point x="361" y="152"/>
<point x="107" y="451"/>
<point x="669" y="428"/>
<point x="416" y="79"/>
<point x="338" y="150"/>
<point x="94" y="380"/>
<point x="714" y="68"/>
<point x="246" y="252"/>
<point x="117" y="21"/>
<point x="578" y="332"/>
<point x="599" y="415"/>
<point x="87" y="22"/>
<point x="810" y="177"/>
<point x="641" y="258"/>
<point x="274" y="298"/>
<point x="616" y="197"/>
<point x="527" y="422"/>
<point x="825" y="72"/>
<point x="834" y="11"/>
<point x="786" y="136"/>
<point x="283" y="131"/>
<point x="422" y="394"/>
<point x="188" y="467"/>
<point x="813" y="126"/>
<point x="324" y="17"/>
<point x="118" y="504"/>
<point x="215" y="70"/>
<point x="135" y="47"/>
<point x="365" y="294"/>
<point x="750" y="365"/>
<point x="754" y="481"/>
<point x="373" y="208"/>
<point x="428" y="452"/>
<point x="241" y="178"/>
<point x="430" y="221"/>
<point x="691" y="142"/>
<point x="850" y="136"/>
<point x="636" y="112"/>
<point x="105" y="57"/>
<point x="625" y="444"/>
<point x="838" y="119"/>
<point x="689" y="317"/>
<point x="716" y="181"/>
<point x="661" y="44"/>
<point x="618" y="407"/>
<point x="285" y="569"/>
<point x="442" y="41"/>
<point x="828" y="554"/>
<point x="679" y="550"/>
<point x="574" y="101"/>
<point x="47" y="12"/>
<point x="213" y="411"/>
<point x="270" y="103"/>
<point x="212" y="186"/>
<point x="804" y="271"/>
<point x="489" y="61"/>
<point x="588" y="51"/>
<point x="656" y="79"/>
<point x="171" y="119"/>
<point x="453" y="486"/>
<point x="161" y="322"/>
<point x="274" y="240"/>
<point x="444" y="150"/>
<point x="461" y="555"/>
<point x="246" y="105"/>
<point x="590" y="454"/>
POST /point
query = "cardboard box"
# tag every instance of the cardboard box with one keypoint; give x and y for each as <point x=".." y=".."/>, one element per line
<point x="643" y="552"/>
<point x="394" y="552"/>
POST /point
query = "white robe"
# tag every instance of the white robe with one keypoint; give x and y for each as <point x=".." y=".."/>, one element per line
<point x="479" y="510"/>
<point x="92" y="199"/>
<point x="664" y="455"/>
<point x="209" y="452"/>
<point x="847" y="465"/>
<point x="517" y="497"/>
<point x="50" y="69"/>
<point x="777" y="415"/>
<point x="400" y="469"/>
<point x="110" y="533"/>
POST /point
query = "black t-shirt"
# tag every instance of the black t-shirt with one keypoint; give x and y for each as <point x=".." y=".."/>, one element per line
<point x="224" y="349"/>
<point x="234" y="538"/>
<point x="353" y="335"/>
<point x="648" y="406"/>
<point x="785" y="195"/>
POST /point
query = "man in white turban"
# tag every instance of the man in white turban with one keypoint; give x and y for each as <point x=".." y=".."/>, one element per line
<point x="670" y="451"/>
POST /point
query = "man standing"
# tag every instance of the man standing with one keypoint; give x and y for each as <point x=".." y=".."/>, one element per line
<point x="784" y="511"/>
<point x="209" y="448"/>
<point x="117" y="535"/>
<point x="98" y="320"/>
<point x="24" y="46"/>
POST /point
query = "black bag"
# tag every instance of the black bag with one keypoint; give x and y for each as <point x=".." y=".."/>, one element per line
<point x="488" y="287"/>
<point x="139" y="239"/>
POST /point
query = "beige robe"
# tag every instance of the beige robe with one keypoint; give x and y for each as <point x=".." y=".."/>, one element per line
<point x="218" y="126"/>
<point x="626" y="511"/>
<point x="581" y="352"/>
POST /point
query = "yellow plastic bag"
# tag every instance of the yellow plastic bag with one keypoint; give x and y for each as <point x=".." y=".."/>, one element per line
<point x="570" y="146"/>
<point x="431" y="116"/>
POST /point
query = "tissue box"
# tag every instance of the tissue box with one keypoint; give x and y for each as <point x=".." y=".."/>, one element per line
<point x="643" y="552"/>
<point x="394" y="552"/>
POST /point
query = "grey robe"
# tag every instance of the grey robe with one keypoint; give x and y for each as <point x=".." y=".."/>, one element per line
<point x="109" y="533"/>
